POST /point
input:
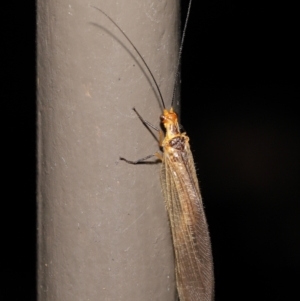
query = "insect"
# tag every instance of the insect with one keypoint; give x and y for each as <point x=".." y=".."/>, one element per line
<point x="190" y="236"/>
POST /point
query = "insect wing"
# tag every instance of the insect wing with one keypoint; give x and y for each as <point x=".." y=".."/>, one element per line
<point x="194" y="267"/>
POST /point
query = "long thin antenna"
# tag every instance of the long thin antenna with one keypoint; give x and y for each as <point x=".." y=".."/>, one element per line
<point x="180" y="51"/>
<point x="124" y="34"/>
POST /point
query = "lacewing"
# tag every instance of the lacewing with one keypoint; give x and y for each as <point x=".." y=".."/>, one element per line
<point x="194" y="268"/>
<point x="190" y="236"/>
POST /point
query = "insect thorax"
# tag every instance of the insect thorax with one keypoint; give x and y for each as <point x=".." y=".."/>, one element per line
<point x="178" y="143"/>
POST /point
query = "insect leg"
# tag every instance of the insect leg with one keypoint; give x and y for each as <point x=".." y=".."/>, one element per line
<point x="148" y="125"/>
<point x="161" y="138"/>
<point x="143" y="160"/>
<point x="145" y="122"/>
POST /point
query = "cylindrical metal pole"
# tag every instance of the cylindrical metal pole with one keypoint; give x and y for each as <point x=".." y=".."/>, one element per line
<point x="103" y="232"/>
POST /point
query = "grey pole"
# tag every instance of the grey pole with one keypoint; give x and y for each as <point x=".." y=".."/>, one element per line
<point x="103" y="232"/>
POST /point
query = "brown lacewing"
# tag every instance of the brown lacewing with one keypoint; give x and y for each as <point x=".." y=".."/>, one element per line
<point x="191" y="241"/>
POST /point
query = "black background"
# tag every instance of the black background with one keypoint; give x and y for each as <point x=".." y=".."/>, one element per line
<point x="240" y="94"/>
<point x="17" y="223"/>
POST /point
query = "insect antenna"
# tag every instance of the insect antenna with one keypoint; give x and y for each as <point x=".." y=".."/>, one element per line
<point x="180" y="51"/>
<point x="127" y="38"/>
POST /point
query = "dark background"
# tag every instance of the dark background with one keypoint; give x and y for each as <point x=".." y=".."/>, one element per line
<point x="17" y="223"/>
<point x="240" y="95"/>
<point x="240" y="98"/>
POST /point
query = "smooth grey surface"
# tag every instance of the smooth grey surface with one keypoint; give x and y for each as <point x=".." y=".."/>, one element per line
<point x="103" y="232"/>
